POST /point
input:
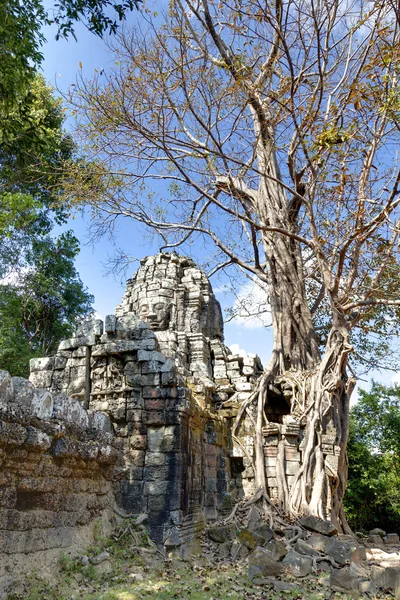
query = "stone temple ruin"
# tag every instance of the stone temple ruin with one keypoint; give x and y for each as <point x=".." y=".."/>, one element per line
<point x="137" y="413"/>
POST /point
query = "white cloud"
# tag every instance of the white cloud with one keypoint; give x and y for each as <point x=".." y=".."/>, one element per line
<point x="14" y="276"/>
<point x="236" y="349"/>
<point x="395" y="380"/>
<point x="251" y="308"/>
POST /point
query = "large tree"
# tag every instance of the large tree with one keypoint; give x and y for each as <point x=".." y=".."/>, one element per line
<point x="269" y="130"/>
<point x="30" y="154"/>
<point x="42" y="304"/>
<point x="41" y="295"/>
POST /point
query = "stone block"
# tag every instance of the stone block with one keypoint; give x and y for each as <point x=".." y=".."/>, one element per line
<point x="391" y="538"/>
<point x="156" y="473"/>
<point x="343" y="581"/>
<point x="386" y="577"/>
<point x="261" y="565"/>
<point x="23" y="392"/>
<point x="60" y="362"/>
<point x="157" y="488"/>
<point x="42" y="404"/>
<point x="100" y="421"/>
<point x="155" y="437"/>
<point x="73" y="343"/>
<point x="110" y="324"/>
<point x="42" y="379"/>
<point x="342" y="552"/>
<point x="275" y="549"/>
<point x="299" y="565"/>
<point x="42" y="364"/>
<point x="66" y="409"/>
<point x="76" y="386"/>
<point x="37" y="439"/>
<point x="318" y="525"/>
<point x="146" y="355"/>
<point x="153" y="459"/>
<point x="222" y="533"/>
<point x="153" y="417"/>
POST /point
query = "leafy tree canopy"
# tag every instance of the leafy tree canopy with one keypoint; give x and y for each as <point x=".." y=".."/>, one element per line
<point x="43" y="305"/>
<point x="32" y="148"/>
<point x="42" y="296"/>
<point x="373" y="492"/>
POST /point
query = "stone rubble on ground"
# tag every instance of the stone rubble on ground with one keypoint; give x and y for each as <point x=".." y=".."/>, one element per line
<point x="352" y="567"/>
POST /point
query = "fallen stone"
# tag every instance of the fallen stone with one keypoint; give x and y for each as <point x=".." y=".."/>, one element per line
<point x="375" y="539"/>
<point x="96" y="560"/>
<point x="377" y="531"/>
<point x="325" y="566"/>
<point x="261" y="565"/>
<point x="136" y="576"/>
<point x="275" y="549"/>
<point x="391" y="538"/>
<point x="225" y="550"/>
<point x="84" y="560"/>
<point x="386" y="577"/>
<point x="368" y="587"/>
<point x="265" y="532"/>
<point x="358" y="571"/>
<point x="342" y="580"/>
<point x="249" y="539"/>
<point x="342" y="552"/>
<point x="285" y="586"/>
<point x="397" y="589"/>
<point x="303" y="548"/>
<point x="299" y="565"/>
<point x="318" y="525"/>
<point x="221" y="533"/>
<point x="254" y="518"/>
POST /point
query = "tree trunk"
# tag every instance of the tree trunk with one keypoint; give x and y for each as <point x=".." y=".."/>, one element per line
<point x="321" y="389"/>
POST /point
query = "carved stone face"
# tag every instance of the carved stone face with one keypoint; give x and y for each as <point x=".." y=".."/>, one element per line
<point x="156" y="313"/>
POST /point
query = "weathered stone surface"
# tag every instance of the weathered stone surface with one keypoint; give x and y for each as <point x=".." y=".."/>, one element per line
<point x="42" y="404"/>
<point x="262" y="565"/>
<point x="304" y="548"/>
<point x="386" y="577"/>
<point x="6" y="389"/>
<point x="342" y="552"/>
<point x="222" y="533"/>
<point x="378" y="531"/>
<point x="254" y="518"/>
<point x="56" y="477"/>
<point x="314" y="524"/>
<point x="391" y="538"/>
<point x="375" y="539"/>
<point x="250" y="539"/>
<point x="275" y="549"/>
<point x="343" y="581"/>
<point x="299" y="565"/>
<point x="70" y="410"/>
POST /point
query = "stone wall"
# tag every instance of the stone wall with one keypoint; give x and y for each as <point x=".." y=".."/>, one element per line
<point x="57" y="464"/>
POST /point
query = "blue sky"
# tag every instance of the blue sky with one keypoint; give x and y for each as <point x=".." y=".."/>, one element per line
<point x="61" y="66"/>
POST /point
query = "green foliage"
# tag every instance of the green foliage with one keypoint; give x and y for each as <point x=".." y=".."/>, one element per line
<point x="373" y="491"/>
<point x="32" y="148"/>
<point x="20" y="41"/>
<point x="43" y="305"/>
<point x="93" y="13"/>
